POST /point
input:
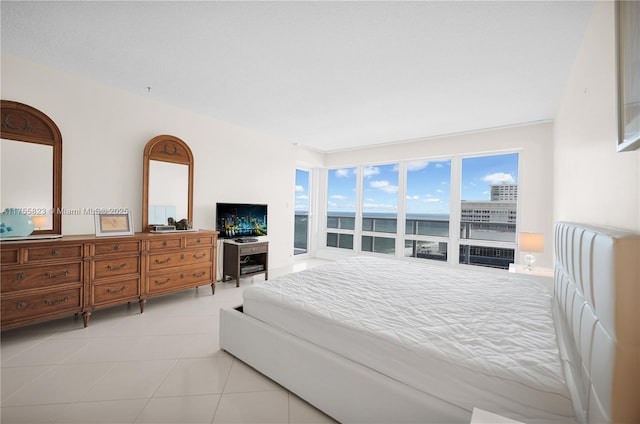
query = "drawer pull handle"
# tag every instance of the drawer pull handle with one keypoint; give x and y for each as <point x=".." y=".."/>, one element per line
<point x="51" y="275"/>
<point x="56" y="302"/>
<point x="111" y="291"/>
<point x="164" y="243"/>
<point x="198" y="241"/>
<point x="21" y="305"/>
<point x="163" y="282"/>
<point x="200" y="274"/>
<point x="182" y="256"/>
<point x="20" y="276"/>
<point x="116" y="267"/>
<point x="204" y="255"/>
<point x="116" y="247"/>
<point x="55" y="252"/>
<point x="166" y="261"/>
<point x="182" y="276"/>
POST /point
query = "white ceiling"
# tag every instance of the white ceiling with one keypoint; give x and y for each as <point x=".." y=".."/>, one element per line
<point x="327" y="75"/>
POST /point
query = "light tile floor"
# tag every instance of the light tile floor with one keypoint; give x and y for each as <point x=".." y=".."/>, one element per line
<point x="162" y="366"/>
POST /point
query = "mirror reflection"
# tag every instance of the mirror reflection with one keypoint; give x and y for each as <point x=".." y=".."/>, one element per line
<point x="168" y="192"/>
<point x="167" y="184"/>
<point x="26" y="180"/>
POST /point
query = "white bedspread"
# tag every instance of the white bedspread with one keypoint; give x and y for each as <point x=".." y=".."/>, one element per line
<point x="470" y="338"/>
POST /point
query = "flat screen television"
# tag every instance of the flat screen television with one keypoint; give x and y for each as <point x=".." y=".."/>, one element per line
<point x="241" y="220"/>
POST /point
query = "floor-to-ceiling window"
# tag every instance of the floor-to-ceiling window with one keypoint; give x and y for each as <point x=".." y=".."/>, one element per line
<point x="488" y="210"/>
<point x="301" y="231"/>
<point x="427" y="209"/>
<point x="461" y="209"/>
<point x="379" y="208"/>
<point x="341" y="207"/>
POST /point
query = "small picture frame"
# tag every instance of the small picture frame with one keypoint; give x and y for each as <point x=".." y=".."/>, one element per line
<point x="113" y="224"/>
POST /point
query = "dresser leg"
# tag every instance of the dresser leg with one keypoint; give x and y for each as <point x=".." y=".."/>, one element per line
<point x="213" y="288"/>
<point x="142" y="303"/>
<point x="85" y="317"/>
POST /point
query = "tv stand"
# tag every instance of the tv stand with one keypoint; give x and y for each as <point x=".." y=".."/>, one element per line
<point x="243" y="259"/>
<point x="246" y="240"/>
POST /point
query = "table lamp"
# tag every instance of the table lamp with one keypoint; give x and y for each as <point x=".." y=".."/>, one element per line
<point x="530" y="243"/>
<point x="40" y="221"/>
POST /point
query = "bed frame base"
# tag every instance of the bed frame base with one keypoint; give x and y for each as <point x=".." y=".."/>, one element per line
<point x="341" y="388"/>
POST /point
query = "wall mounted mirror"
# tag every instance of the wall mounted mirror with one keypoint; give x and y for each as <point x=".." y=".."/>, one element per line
<point x="31" y="166"/>
<point x="167" y="182"/>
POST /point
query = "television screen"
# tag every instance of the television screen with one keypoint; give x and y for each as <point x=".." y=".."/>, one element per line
<point x="238" y="220"/>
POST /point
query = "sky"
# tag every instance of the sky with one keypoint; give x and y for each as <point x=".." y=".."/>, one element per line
<point x="302" y="190"/>
<point x="428" y="184"/>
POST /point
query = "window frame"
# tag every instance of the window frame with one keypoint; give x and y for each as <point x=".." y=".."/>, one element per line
<point x="454" y="241"/>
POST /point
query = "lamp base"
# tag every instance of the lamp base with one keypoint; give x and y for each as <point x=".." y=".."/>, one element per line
<point x="530" y="260"/>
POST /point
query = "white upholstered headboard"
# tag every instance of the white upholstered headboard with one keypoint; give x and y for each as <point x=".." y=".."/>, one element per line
<point x="597" y="307"/>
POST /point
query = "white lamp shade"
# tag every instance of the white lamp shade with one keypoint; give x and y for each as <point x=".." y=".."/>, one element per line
<point x="532" y="242"/>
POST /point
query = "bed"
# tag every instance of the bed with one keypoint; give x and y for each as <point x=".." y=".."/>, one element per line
<point x="377" y="340"/>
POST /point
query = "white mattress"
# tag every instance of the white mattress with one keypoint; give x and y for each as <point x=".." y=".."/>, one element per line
<point x="470" y="338"/>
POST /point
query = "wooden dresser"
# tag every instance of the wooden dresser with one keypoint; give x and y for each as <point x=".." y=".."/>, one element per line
<point x="46" y="279"/>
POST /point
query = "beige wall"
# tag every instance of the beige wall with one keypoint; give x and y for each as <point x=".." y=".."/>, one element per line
<point x="104" y="132"/>
<point x="593" y="183"/>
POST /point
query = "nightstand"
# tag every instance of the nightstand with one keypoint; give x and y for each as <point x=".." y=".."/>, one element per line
<point x="542" y="275"/>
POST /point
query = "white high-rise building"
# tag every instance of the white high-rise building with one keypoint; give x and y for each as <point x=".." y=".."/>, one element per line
<point x="504" y="192"/>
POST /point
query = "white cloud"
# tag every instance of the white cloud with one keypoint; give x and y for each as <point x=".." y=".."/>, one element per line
<point x="384" y="185"/>
<point x="371" y="170"/>
<point x="432" y="200"/>
<point x="299" y="188"/>
<point x="342" y="173"/>
<point x="499" y="178"/>
<point x="414" y="197"/>
<point x="417" y="165"/>
<point x="339" y="197"/>
<point x="302" y="197"/>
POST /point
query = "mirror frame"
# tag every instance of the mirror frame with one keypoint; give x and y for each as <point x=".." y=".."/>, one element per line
<point x="21" y="122"/>
<point x="165" y="148"/>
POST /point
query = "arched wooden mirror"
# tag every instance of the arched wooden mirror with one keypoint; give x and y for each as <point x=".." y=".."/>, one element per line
<point x="31" y="166"/>
<point x="167" y="181"/>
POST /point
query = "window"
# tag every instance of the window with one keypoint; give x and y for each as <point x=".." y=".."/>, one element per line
<point x="379" y="208"/>
<point x="341" y="207"/>
<point x="408" y="209"/>
<point x="301" y="231"/>
<point x="427" y="209"/>
<point x="488" y="210"/>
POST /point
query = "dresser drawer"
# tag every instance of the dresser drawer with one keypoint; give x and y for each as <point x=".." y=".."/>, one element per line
<point x="112" y="267"/>
<point x="40" y="276"/>
<point x="53" y="252"/>
<point x="200" y="240"/>
<point x="166" y="281"/>
<point x="113" y="292"/>
<point x="174" y="259"/>
<point x="50" y="302"/>
<point x="165" y="243"/>
<point x="117" y="247"/>
<point x="252" y="249"/>
<point x="9" y="256"/>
